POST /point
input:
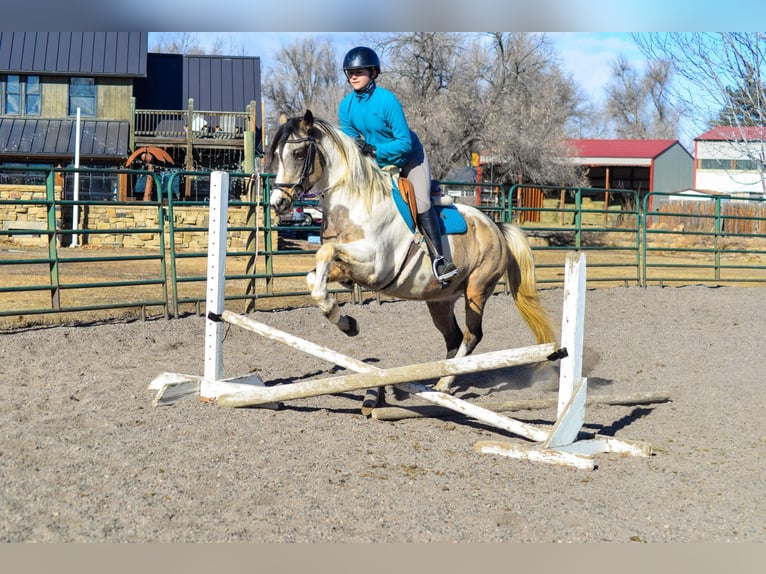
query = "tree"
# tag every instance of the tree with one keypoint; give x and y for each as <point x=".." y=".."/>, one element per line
<point x="423" y="69"/>
<point x="305" y="75"/>
<point x="500" y="94"/>
<point x="186" y="43"/>
<point x="724" y="72"/>
<point x="638" y="106"/>
<point x="528" y="102"/>
<point x="746" y="103"/>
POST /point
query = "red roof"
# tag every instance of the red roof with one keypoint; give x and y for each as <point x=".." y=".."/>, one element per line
<point x="620" y="148"/>
<point x="728" y="133"/>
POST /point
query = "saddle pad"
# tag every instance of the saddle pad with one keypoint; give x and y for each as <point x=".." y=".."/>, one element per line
<point x="451" y="221"/>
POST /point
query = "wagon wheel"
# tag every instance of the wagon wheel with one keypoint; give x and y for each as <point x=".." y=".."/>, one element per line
<point x="154" y="153"/>
<point x="149" y="155"/>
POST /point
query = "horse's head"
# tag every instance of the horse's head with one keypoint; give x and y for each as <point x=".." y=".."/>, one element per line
<point x="299" y="166"/>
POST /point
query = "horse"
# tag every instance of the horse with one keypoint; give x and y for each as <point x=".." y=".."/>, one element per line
<point x="365" y="239"/>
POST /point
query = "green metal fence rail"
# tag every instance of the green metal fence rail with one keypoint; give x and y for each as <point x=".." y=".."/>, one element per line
<point x="253" y="269"/>
<point x="47" y="279"/>
<point x="655" y="239"/>
<point x="703" y="239"/>
<point x="606" y="224"/>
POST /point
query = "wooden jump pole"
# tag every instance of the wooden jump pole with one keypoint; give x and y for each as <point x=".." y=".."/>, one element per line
<point x="501" y="406"/>
<point x="368" y="376"/>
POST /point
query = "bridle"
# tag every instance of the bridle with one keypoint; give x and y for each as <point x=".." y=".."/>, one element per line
<point x="297" y="190"/>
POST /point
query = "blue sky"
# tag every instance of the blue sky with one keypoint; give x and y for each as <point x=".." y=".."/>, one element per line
<point x="425" y="15"/>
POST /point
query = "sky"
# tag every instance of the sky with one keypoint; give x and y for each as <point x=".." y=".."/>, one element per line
<point x="424" y="15"/>
<point x="586" y="55"/>
<point x="584" y="31"/>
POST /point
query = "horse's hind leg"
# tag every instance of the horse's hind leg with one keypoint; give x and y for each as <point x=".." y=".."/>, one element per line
<point x="464" y="346"/>
<point x="443" y="317"/>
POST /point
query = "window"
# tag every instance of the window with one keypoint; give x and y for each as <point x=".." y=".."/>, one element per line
<point x="32" y="100"/>
<point x="715" y="164"/>
<point x="92" y="186"/>
<point x="21" y="95"/>
<point x="20" y="174"/>
<point x="12" y="95"/>
<point x="82" y="94"/>
<point x="729" y="164"/>
<point x="746" y="164"/>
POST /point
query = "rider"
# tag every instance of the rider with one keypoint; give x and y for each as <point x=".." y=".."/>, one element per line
<point x="375" y="119"/>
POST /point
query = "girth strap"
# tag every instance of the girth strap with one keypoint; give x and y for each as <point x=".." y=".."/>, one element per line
<point x="412" y="250"/>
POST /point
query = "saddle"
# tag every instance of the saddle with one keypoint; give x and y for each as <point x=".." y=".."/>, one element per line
<point x="450" y="219"/>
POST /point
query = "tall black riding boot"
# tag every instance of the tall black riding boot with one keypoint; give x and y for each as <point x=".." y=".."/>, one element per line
<point x="443" y="269"/>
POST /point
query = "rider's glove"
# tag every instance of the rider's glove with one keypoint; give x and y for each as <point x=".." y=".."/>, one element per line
<point x="364" y="147"/>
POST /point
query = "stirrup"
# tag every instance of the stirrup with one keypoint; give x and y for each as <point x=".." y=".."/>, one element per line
<point x="449" y="272"/>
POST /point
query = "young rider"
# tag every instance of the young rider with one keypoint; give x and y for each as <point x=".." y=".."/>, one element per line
<point x="375" y="119"/>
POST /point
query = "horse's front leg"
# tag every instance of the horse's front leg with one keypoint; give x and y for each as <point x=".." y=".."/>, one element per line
<point x="357" y="258"/>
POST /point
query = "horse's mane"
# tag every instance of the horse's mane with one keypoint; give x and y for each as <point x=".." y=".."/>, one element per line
<point x="357" y="176"/>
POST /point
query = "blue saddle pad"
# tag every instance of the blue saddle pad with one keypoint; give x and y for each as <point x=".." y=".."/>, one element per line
<point x="451" y="221"/>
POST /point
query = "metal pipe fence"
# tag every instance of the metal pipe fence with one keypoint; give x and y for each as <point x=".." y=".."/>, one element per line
<point x="148" y="258"/>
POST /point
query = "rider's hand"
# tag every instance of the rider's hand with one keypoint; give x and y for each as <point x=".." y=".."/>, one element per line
<point x="364" y="147"/>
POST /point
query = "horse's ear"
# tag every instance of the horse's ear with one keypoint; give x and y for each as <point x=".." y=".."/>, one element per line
<point x="282" y="118"/>
<point x="308" y="121"/>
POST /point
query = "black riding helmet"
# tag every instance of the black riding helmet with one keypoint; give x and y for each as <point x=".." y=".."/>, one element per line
<point x="361" y="57"/>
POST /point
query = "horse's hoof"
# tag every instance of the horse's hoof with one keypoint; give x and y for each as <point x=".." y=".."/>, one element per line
<point x="348" y="325"/>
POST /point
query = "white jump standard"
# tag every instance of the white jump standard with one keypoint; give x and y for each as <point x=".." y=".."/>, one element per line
<point x="558" y="444"/>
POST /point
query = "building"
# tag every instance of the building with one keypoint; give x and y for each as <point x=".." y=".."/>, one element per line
<point x="203" y="111"/>
<point x="45" y="77"/>
<point x="731" y="160"/>
<point x="640" y="165"/>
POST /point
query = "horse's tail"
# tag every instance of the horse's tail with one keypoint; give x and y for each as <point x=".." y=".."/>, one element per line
<point x="521" y="277"/>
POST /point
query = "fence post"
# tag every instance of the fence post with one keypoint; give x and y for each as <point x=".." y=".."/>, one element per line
<point x="718" y="229"/>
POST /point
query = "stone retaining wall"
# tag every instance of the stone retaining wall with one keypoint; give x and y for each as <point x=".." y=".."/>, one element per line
<point x="118" y="218"/>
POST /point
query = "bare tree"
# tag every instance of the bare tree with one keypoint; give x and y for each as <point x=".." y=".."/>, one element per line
<point x="306" y="74"/>
<point x="638" y="106"/>
<point x="187" y="43"/>
<point x="723" y="83"/>
<point x="501" y="94"/>
<point x="422" y="68"/>
<point x="498" y="94"/>
<point x="526" y="102"/>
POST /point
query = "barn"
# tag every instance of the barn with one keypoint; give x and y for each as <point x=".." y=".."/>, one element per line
<point x="640" y="165"/>
<point x="730" y="160"/>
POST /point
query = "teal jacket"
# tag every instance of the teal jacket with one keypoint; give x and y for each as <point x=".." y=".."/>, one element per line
<point x="378" y="117"/>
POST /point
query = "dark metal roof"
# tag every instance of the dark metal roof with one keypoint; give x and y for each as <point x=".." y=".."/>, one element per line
<point x="55" y="139"/>
<point x="222" y="83"/>
<point x="74" y="53"/>
<point x="215" y="83"/>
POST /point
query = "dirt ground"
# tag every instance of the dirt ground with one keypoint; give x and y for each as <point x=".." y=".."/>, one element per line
<point x="85" y="457"/>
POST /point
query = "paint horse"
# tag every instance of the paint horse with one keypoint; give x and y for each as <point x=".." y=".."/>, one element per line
<point x="367" y="239"/>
